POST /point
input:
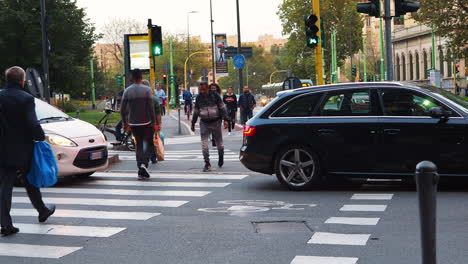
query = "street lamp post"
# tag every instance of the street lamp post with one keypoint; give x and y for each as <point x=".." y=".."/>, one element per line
<point x="212" y="44"/>
<point x="45" y="51"/>
<point x="188" y="39"/>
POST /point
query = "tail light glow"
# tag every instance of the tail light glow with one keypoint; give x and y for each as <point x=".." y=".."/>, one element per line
<point x="249" y="131"/>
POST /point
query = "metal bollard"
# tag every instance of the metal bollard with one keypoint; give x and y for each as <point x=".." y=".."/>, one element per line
<point x="427" y="179"/>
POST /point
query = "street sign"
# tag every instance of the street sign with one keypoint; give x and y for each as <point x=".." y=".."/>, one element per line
<point x="34" y="83"/>
<point x="239" y="61"/>
<point x="231" y="52"/>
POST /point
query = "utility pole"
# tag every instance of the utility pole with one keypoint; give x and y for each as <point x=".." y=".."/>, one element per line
<point x="174" y="96"/>
<point x="364" y="57"/>
<point x="93" y="92"/>
<point x="382" y="53"/>
<point x="213" y="68"/>
<point x="388" y="41"/>
<point x="318" y="49"/>
<point x="239" y="48"/>
<point x="45" y="51"/>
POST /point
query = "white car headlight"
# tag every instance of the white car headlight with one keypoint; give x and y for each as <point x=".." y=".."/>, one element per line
<point x="60" y="141"/>
<point x="103" y="138"/>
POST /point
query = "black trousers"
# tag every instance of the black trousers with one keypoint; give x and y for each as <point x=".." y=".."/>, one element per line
<point x="7" y="178"/>
<point x="232" y="120"/>
<point x="144" y="144"/>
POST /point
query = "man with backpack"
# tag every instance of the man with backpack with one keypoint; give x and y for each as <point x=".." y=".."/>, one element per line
<point x="19" y="129"/>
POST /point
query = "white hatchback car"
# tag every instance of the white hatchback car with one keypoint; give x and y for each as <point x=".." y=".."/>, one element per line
<point x="80" y="148"/>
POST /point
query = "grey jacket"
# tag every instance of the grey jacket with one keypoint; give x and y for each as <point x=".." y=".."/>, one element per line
<point x="138" y="106"/>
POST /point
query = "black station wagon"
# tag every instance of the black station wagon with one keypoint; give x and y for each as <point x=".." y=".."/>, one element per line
<point x="371" y="130"/>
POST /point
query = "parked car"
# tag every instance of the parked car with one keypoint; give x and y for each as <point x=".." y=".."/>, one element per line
<point x="371" y="130"/>
<point x="79" y="147"/>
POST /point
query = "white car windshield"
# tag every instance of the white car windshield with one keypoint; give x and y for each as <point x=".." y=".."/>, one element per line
<point x="45" y="111"/>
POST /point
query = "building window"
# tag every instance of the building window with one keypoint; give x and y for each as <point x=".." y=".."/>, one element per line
<point x="411" y="68"/>
<point x="368" y="21"/>
<point x="398" y="68"/>
<point x="425" y="64"/>
<point x="403" y="62"/>
<point x="441" y="61"/>
<point x="418" y="73"/>
<point x="449" y="63"/>
<point x="399" y="20"/>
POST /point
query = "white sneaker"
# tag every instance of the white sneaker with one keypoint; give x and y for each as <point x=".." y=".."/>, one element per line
<point x="229" y="133"/>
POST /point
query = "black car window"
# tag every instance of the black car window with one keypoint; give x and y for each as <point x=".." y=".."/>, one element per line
<point x="302" y="106"/>
<point x="403" y="102"/>
<point x="354" y="102"/>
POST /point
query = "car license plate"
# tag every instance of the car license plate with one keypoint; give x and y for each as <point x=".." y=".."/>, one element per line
<point x="96" y="155"/>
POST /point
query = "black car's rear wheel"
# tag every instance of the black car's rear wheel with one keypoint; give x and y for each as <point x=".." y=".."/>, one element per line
<point x="298" y="168"/>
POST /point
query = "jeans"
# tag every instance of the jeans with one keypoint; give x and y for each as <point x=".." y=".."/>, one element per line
<point x="246" y="115"/>
<point x="232" y="120"/>
<point x="7" y="177"/>
<point x="144" y="146"/>
<point x="215" y="130"/>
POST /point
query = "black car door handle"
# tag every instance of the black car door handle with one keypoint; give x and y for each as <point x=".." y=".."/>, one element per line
<point x="391" y="131"/>
<point x="326" y="131"/>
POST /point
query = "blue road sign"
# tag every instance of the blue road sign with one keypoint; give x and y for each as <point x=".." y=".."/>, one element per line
<point x="239" y="61"/>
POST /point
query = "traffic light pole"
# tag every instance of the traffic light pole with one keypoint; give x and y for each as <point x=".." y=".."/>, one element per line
<point x="239" y="48"/>
<point x="93" y="92"/>
<point x="388" y="41"/>
<point x="364" y="57"/>
<point x="151" y="55"/>
<point x="174" y="96"/>
<point x="212" y="44"/>
<point x="45" y="56"/>
<point x="318" y="49"/>
<point x="382" y="53"/>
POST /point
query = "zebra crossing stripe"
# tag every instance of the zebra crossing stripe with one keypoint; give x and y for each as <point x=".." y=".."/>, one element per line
<point x="159" y="184"/>
<point x="121" y="192"/>
<point x="372" y="196"/>
<point x="197" y="159"/>
<point x="363" y="208"/>
<point x="105" y="202"/>
<point x="67" y="230"/>
<point x="323" y="260"/>
<point x="89" y="214"/>
<point x="172" y="176"/>
<point x="326" y="238"/>
<point x="35" y="251"/>
<point x="367" y="221"/>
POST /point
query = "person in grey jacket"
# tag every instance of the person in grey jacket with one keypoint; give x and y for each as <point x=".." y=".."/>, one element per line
<point x="138" y="116"/>
<point x="210" y="108"/>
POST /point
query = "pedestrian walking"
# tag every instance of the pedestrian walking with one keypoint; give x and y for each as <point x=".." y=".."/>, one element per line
<point x="19" y="129"/>
<point x="157" y="112"/>
<point x="210" y="108"/>
<point x="230" y="100"/>
<point x="215" y="88"/>
<point x="138" y="116"/>
<point x="247" y="104"/>
<point x="162" y="98"/>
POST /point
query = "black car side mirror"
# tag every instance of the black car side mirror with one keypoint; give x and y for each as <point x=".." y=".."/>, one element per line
<point x="439" y="112"/>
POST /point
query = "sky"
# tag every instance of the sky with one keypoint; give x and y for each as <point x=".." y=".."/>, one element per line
<point x="258" y="17"/>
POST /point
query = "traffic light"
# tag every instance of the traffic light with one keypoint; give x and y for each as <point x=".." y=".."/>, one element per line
<point x="371" y="8"/>
<point x="457" y="69"/>
<point x="120" y="80"/>
<point x="165" y="78"/>
<point x="402" y="7"/>
<point x="171" y="78"/>
<point x="312" y="31"/>
<point x="156" y="40"/>
<point x="354" y="71"/>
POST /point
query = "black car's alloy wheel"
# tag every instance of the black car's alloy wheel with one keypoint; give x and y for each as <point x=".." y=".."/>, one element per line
<point x="297" y="167"/>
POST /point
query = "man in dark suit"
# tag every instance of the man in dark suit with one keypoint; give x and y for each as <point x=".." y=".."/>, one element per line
<point x="20" y="128"/>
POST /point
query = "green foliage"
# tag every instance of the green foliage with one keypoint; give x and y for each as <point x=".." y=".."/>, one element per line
<point x="339" y="15"/>
<point x="450" y="20"/>
<point x="70" y="33"/>
<point x="94" y="116"/>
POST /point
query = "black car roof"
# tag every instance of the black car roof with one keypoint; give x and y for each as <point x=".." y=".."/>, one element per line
<point x="341" y="85"/>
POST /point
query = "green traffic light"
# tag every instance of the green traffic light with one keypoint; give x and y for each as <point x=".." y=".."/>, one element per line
<point x="157" y="50"/>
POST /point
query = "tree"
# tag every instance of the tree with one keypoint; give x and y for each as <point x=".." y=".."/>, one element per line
<point x="339" y="15"/>
<point x="70" y="33"/>
<point x="449" y="18"/>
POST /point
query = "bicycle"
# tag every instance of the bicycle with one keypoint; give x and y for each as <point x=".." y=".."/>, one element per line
<point x="126" y="138"/>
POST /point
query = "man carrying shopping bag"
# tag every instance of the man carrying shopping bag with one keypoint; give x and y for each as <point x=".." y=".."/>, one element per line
<point x="20" y="128"/>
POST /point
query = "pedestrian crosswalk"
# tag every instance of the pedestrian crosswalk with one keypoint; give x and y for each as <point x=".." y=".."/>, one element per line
<point x="180" y="155"/>
<point x="120" y="198"/>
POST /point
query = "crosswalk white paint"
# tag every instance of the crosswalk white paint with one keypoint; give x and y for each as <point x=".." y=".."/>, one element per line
<point x="323" y="260"/>
<point x="166" y="158"/>
<point x="35" y="251"/>
<point x="177" y="155"/>
<point x="365" y="221"/>
<point x="105" y="202"/>
<point x="187" y="176"/>
<point x="372" y="196"/>
<point x="69" y="230"/>
<point x="339" y="239"/>
<point x="89" y="214"/>
<point x="363" y="208"/>
<point x="121" y="192"/>
<point x="159" y="184"/>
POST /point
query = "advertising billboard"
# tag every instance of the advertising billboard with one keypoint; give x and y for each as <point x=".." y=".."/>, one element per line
<point x="221" y="60"/>
<point x="139" y="52"/>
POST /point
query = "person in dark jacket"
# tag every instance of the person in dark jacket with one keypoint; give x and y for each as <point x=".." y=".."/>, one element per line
<point x="230" y="100"/>
<point x="246" y="104"/>
<point x="210" y="108"/>
<point x="20" y="128"/>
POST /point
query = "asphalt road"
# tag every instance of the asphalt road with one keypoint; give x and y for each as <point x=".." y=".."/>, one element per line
<point x="230" y="215"/>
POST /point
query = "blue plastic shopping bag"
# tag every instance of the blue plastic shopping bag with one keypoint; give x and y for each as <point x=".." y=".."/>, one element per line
<point x="162" y="136"/>
<point x="43" y="172"/>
